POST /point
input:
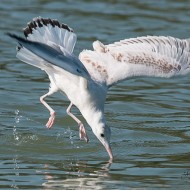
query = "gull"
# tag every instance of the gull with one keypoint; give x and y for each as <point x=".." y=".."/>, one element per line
<point x="85" y="80"/>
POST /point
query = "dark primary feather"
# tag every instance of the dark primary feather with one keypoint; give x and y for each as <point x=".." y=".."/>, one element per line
<point x="40" y="22"/>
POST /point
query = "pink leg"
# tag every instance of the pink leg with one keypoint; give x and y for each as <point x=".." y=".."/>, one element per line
<point x="52" y="112"/>
<point x="82" y="131"/>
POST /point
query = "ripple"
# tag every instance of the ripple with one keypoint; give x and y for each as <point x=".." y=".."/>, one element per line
<point x="149" y="117"/>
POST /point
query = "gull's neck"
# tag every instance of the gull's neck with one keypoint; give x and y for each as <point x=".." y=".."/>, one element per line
<point x="94" y="117"/>
<point x="93" y="110"/>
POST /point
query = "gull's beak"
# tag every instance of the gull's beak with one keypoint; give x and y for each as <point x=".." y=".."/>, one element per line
<point x="108" y="149"/>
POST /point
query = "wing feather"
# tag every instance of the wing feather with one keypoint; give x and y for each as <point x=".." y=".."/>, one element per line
<point x="143" y="56"/>
<point x="50" y="31"/>
<point x="51" y="57"/>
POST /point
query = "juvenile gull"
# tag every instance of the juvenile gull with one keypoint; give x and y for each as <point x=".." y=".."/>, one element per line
<point x="85" y="80"/>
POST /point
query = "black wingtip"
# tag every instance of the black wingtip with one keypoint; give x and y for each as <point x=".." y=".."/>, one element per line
<point x="9" y="34"/>
<point x="12" y="35"/>
<point x="17" y="38"/>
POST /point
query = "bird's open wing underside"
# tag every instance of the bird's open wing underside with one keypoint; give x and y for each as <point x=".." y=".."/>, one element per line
<point x="48" y="46"/>
<point x="50" y="57"/>
<point x="144" y="56"/>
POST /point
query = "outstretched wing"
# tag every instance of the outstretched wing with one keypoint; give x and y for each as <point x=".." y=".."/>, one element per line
<point x="144" y="56"/>
<point x="48" y="44"/>
<point x="52" y="57"/>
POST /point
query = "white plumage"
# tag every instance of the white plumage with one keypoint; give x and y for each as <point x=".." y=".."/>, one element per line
<point x="143" y="56"/>
<point x="85" y="81"/>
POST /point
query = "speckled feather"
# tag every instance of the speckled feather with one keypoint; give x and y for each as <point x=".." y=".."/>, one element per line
<point x="156" y="56"/>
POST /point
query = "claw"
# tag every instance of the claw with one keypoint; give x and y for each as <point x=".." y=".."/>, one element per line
<point x="82" y="133"/>
<point x="51" y="120"/>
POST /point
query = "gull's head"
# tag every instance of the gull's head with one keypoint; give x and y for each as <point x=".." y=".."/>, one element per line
<point x="96" y="120"/>
<point x="103" y="133"/>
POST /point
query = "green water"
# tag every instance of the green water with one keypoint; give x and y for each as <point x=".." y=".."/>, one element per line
<point x="149" y="117"/>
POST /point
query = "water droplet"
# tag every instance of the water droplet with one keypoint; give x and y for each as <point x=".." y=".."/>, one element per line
<point x="34" y="137"/>
<point x="15" y="133"/>
<point x="17" y="119"/>
<point x="17" y="112"/>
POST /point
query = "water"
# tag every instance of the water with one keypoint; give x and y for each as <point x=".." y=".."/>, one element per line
<point x="149" y="118"/>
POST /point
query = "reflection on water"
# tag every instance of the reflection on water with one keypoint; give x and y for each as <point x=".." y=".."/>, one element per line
<point x="84" y="174"/>
<point x="149" y="117"/>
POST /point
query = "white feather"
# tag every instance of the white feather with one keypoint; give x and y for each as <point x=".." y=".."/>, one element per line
<point x="59" y="36"/>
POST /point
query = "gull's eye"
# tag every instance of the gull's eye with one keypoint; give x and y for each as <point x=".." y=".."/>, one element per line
<point x="102" y="135"/>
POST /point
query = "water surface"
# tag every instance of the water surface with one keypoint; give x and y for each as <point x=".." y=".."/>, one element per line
<point x="149" y="118"/>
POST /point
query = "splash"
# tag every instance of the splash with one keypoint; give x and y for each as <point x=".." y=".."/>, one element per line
<point x="29" y="135"/>
<point x="68" y="133"/>
<point x="17" y="120"/>
<point x="16" y="169"/>
<point x="65" y="134"/>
